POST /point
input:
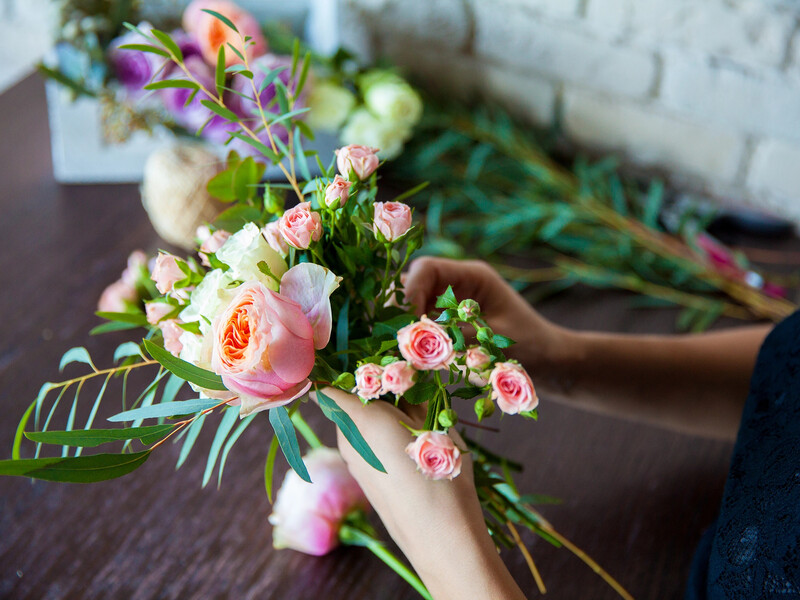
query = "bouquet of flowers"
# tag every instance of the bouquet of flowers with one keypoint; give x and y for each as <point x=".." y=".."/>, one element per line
<point x="282" y="303"/>
<point x="96" y="56"/>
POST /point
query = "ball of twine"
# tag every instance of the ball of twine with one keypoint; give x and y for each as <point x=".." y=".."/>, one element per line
<point x="174" y="191"/>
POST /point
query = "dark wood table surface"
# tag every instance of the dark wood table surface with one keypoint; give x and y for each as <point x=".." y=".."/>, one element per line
<point x="636" y="498"/>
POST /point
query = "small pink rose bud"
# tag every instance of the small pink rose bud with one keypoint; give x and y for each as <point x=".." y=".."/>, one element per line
<point x="369" y="383"/>
<point x="477" y="358"/>
<point x="136" y="261"/>
<point x="166" y="272"/>
<point x="363" y="160"/>
<point x="392" y="219"/>
<point x="512" y="388"/>
<point x="300" y="226"/>
<point x="337" y="191"/>
<point x="116" y="297"/>
<point x="436" y="455"/>
<point x="272" y="233"/>
<point x="156" y="311"/>
<point x="398" y="377"/>
<point x="211" y="244"/>
<point x="172" y="336"/>
<point x="425" y="345"/>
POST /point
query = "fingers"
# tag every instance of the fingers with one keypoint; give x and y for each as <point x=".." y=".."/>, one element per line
<point x="429" y="277"/>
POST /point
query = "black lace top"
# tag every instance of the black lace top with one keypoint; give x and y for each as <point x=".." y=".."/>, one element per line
<point x="752" y="552"/>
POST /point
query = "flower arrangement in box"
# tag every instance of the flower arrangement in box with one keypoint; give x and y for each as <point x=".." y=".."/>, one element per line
<point x="375" y="107"/>
<point x="282" y="303"/>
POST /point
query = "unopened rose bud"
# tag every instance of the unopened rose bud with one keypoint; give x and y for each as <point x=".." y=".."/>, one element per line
<point x="468" y="310"/>
<point x="483" y="408"/>
<point x="448" y="418"/>
<point x="485" y="335"/>
<point x="345" y="381"/>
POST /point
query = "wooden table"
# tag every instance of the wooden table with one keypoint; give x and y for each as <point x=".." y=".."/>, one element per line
<point x="636" y="498"/>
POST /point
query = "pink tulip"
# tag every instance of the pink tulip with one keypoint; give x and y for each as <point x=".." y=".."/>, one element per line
<point x="307" y="517"/>
<point x="263" y="348"/>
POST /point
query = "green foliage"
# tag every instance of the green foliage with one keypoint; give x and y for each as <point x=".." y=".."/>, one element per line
<point x="90" y="438"/>
<point x="287" y="438"/>
<point x="184" y="370"/>
<point x="83" y="469"/>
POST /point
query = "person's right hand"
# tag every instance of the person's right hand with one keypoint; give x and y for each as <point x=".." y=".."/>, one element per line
<point x="541" y="345"/>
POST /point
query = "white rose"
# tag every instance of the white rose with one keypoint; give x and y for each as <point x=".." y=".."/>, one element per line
<point x="330" y="103"/>
<point x="194" y="349"/>
<point x="208" y="298"/>
<point x="244" y="250"/>
<point x="395" y="102"/>
<point x="365" y="128"/>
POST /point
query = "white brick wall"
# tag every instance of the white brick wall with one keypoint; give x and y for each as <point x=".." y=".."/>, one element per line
<point x="708" y="90"/>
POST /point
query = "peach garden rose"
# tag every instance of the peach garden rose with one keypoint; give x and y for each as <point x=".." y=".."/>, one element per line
<point x="211" y="33"/>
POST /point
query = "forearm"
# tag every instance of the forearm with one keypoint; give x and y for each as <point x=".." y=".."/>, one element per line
<point x="693" y="383"/>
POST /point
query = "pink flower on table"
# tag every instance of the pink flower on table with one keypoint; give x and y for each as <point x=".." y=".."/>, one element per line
<point x="425" y="345"/>
<point x="363" y="160"/>
<point x="263" y="347"/>
<point x="477" y="358"/>
<point x="300" y="226"/>
<point x="307" y="517"/>
<point x="398" y="377"/>
<point x="272" y="233"/>
<point x="213" y="243"/>
<point x="512" y="388"/>
<point x="211" y="33"/>
<point x="311" y="286"/>
<point x="172" y="336"/>
<point x="166" y="272"/>
<point x="116" y="297"/>
<point x="338" y="191"/>
<point x="392" y="219"/>
<point x="369" y="381"/>
<point x="436" y="455"/>
<point x="156" y="311"/>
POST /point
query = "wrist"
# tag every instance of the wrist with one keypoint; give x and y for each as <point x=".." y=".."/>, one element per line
<point x="557" y="360"/>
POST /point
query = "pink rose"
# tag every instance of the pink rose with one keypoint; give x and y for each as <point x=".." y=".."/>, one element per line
<point x="425" y="345"/>
<point x="300" y="226"/>
<point x="211" y="244"/>
<point x="337" y="191"/>
<point x="172" y="336"/>
<point x="156" y="311"/>
<point x="477" y="358"/>
<point x="368" y="381"/>
<point x="212" y="33"/>
<point x="136" y="262"/>
<point x="263" y="347"/>
<point x="307" y="517"/>
<point x="398" y="377"/>
<point x="512" y="388"/>
<point x="361" y="159"/>
<point x="436" y="455"/>
<point x="166" y="273"/>
<point x="116" y="297"/>
<point x="272" y="233"/>
<point x="392" y="219"/>
<point x="311" y="286"/>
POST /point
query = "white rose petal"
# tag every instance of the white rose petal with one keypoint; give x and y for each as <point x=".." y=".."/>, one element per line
<point x="244" y="250"/>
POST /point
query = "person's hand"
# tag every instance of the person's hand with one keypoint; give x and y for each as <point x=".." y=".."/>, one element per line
<point x="541" y="345"/>
<point x="438" y="525"/>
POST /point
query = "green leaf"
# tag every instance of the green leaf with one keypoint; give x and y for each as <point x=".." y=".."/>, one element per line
<point x="652" y="206"/>
<point x="345" y="424"/>
<point x="184" y="370"/>
<point x="171" y="83"/>
<point x="112" y="326"/>
<point x="235" y="51"/>
<point x="222" y="18"/>
<point x="137" y="318"/>
<point x="146" y="48"/>
<point x="295" y="56"/>
<point x="229" y="417"/>
<point x="243" y="424"/>
<point x="191" y="437"/>
<point x="127" y="349"/>
<point x="269" y="467"/>
<point x="221" y="185"/>
<point x="77" y="354"/>
<point x="91" y="438"/>
<point x="270" y="77"/>
<point x="76" y="86"/>
<point x="448" y="299"/>
<point x="245" y="179"/>
<point x="287" y="438"/>
<point x="408" y="193"/>
<point x="95" y="406"/>
<point x="166" y="409"/>
<point x="223" y="112"/>
<point x="171" y="389"/>
<point x="421" y="392"/>
<point x="82" y="469"/>
<point x="302" y="161"/>
<point x="267" y="152"/>
<point x="502" y="341"/>
<point x="169" y="44"/>
<point x="343" y="333"/>
<point x="301" y="82"/>
<point x="468" y="392"/>
<point x="219" y="78"/>
<point x="15" y="454"/>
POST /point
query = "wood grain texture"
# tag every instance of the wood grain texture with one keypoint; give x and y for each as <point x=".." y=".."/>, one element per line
<point x="636" y="498"/>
